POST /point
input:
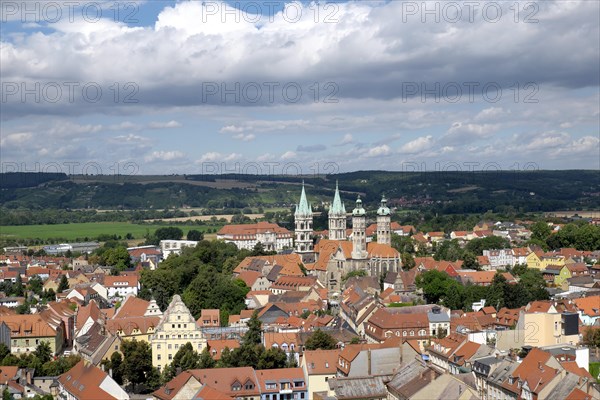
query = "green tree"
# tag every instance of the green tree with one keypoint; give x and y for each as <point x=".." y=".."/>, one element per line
<point x="118" y="257"/>
<point x="194" y="234"/>
<point x="273" y="358"/>
<point x="291" y="360"/>
<point x="6" y="394"/>
<point x="476" y="246"/>
<point x="320" y="340"/>
<point x="116" y="365"/>
<point x="453" y="297"/>
<point x="64" y="284"/>
<point x="18" y="287"/>
<point x="470" y="261"/>
<point x="43" y="352"/>
<point x="36" y="284"/>
<point x="206" y="360"/>
<point x="434" y="284"/>
<point x="137" y="361"/>
<point x="408" y="261"/>
<point x="253" y="335"/>
<point x="4" y="351"/>
<point x="540" y="230"/>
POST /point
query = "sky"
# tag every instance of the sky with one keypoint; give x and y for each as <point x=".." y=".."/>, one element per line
<point x="171" y="87"/>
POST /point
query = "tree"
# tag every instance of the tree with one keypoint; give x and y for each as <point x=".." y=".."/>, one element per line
<point x="4" y="351"/>
<point x="540" y="230"/>
<point x="434" y="284"/>
<point x="118" y="257"/>
<point x="253" y="335"/>
<point x="194" y="234"/>
<point x="470" y="261"/>
<point x="64" y="284"/>
<point x="35" y="284"/>
<point x="320" y="340"/>
<point x="185" y="359"/>
<point x="137" y="361"/>
<point x="273" y="358"/>
<point x="116" y="365"/>
<point x="6" y="394"/>
<point x="18" y="287"/>
<point x="408" y="261"/>
<point x="206" y="360"/>
<point x="291" y="360"/>
<point x="43" y="352"/>
<point x="168" y="233"/>
<point x="476" y="246"/>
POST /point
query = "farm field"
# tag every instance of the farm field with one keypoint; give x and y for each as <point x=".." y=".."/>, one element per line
<point x="89" y="229"/>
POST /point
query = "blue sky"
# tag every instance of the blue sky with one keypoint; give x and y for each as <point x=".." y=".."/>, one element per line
<point x="192" y="87"/>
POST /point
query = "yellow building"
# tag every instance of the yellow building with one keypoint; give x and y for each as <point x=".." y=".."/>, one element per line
<point x="27" y="331"/>
<point x="543" y="325"/>
<point x="533" y="260"/>
<point x="177" y="327"/>
<point x="134" y="328"/>
<point x="319" y="366"/>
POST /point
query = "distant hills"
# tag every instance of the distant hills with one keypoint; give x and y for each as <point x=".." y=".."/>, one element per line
<point x="446" y="192"/>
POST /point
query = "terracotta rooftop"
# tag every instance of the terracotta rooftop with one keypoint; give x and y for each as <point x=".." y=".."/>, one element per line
<point x="321" y="362"/>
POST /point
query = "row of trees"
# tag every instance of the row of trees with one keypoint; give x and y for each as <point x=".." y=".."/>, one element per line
<point x="40" y="359"/>
<point x="580" y="235"/>
<point x="440" y="288"/>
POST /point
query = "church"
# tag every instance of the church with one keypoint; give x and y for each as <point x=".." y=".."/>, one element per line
<point x="332" y="258"/>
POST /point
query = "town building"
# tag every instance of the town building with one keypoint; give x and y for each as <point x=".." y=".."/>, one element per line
<point x="271" y="236"/>
<point x="177" y="327"/>
<point x="168" y="247"/>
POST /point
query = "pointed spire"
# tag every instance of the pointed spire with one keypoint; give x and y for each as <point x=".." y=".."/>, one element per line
<point x="337" y="207"/>
<point x="303" y="208"/>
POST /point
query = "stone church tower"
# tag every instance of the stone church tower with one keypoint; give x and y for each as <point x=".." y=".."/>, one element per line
<point x="337" y="217"/>
<point x="303" y="229"/>
<point x="384" y="223"/>
<point x="359" y="236"/>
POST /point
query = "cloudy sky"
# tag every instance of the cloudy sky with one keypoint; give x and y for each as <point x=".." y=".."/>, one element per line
<point x="190" y="86"/>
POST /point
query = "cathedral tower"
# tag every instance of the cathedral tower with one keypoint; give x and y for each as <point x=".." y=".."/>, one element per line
<point x="359" y="226"/>
<point x="384" y="223"/>
<point x="303" y="230"/>
<point x="337" y="217"/>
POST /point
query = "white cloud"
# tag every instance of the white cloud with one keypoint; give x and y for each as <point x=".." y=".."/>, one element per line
<point x="244" y="138"/>
<point x="418" y="145"/>
<point x="288" y="155"/>
<point x="164" y="125"/>
<point x="214" y="156"/>
<point x="164" y="156"/>
<point x="379" y="151"/>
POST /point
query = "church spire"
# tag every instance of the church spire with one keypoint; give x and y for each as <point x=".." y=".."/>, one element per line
<point x="303" y="208"/>
<point x="337" y="207"/>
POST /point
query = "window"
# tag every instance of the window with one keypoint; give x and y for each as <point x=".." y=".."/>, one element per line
<point x="158" y="357"/>
<point x="170" y="356"/>
<point x="176" y="346"/>
<point x="158" y="346"/>
<point x="170" y="346"/>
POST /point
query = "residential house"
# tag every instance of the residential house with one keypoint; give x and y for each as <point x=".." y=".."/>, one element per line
<point x="588" y="309"/>
<point x="27" y="331"/>
<point x="87" y="382"/>
<point x="209" y="318"/>
<point x="122" y="285"/>
<point x="319" y="366"/>
<point x="545" y="324"/>
<point x="285" y="383"/>
<point x="387" y="323"/>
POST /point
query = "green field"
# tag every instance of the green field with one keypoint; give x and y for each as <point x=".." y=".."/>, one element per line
<point x="89" y="229"/>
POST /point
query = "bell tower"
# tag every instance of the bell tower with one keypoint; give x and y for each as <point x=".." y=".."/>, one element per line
<point x="384" y="223"/>
<point x="359" y="238"/>
<point x="303" y="229"/>
<point x="337" y="217"/>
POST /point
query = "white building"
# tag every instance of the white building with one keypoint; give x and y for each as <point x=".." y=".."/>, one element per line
<point x="121" y="286"/>
<point x="246" y="236"/>
<point x="169" y="247"/>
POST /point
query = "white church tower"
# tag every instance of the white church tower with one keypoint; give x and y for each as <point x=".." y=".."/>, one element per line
<point x="359" y="236"/>
<point x="337" y="217"/>
<point x="303" y="229"/>
<point x="384" y="223"/>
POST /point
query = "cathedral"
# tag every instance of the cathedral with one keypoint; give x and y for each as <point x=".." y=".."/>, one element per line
<point x="332" y="258"/>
